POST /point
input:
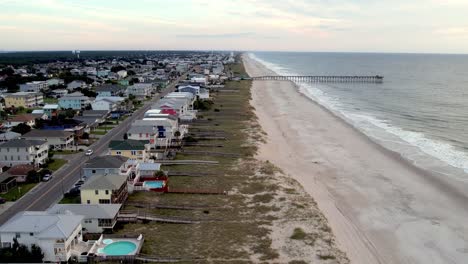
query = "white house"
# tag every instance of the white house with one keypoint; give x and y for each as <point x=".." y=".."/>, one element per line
<point x="140" y="89"/>
<point x="122" y="74"/>
<point x="22" y="151"/>
<point x="97" y="218"/>
<point x="58" y="235"/>
<point x="59" y="93"/>
<point x="55" y="81"/>
<point x="76" y="84"/>
<point x="57" y="139"/>
<point x="110" y="103"/>
<point x="35" y="86"/>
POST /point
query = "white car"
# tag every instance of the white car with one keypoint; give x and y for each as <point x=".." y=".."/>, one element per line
<point x="89" y="152"/>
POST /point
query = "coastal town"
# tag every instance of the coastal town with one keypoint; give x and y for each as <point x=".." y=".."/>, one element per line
<point x="62" y="116"/>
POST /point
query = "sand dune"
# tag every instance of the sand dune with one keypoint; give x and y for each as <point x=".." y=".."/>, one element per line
<point x="381" y="208"/>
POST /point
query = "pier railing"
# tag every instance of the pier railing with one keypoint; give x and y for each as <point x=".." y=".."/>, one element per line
<point x="343" y="78"/>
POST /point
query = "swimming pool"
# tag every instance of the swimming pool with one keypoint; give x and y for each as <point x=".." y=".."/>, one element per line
<point x="120" y="248"/>
<point x="153" y="184"/>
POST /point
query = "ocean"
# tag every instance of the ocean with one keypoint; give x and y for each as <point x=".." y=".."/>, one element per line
<point x="420" y="110"/>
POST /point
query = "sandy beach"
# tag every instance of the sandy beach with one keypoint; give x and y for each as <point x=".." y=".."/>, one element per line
<point x="381" y="208"/>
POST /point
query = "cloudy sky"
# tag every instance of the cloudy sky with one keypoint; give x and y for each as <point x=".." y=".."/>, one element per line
<point x="439" y="26"/>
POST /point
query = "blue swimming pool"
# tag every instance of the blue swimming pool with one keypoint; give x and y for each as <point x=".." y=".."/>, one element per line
<point x="120" y="248"/>
<point x="153" y="184"/>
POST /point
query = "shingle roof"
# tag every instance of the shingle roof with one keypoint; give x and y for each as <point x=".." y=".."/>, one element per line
<point x="104" y="162"/>
<point x="104" y="182"/>
<point x="22" y="118"/>
<point x="149" y="166"/>
<point x="21" y="143"/>
<point x="42" y="224"/>
<point x="89" y="211"/>
<point x="47" y="134"/>
<point x="110" y="88"/>
<point x="128" y="144"/>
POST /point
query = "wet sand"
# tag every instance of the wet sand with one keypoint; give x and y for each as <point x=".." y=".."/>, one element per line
<point x="381" y="208"/>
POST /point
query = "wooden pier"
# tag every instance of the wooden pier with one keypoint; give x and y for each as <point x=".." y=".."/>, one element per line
<point x="335" y="79"/>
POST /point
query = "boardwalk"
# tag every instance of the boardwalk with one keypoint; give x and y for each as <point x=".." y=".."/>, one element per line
<point x="343" y="79"/>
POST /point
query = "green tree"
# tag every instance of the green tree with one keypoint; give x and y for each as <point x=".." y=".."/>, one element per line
<point x="33" y="177"/>
<point x="21" y="128"/>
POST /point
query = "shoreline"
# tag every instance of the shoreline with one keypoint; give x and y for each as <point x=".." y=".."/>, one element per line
<point x="359" y="219"/>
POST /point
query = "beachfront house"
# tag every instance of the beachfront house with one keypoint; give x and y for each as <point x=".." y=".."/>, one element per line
<point x="104" y="189"/>
<point x="105" y="165"/>
<point x="58" y="235"/>
<point x="111" y="103"/>
<point x="97" y="218"/>
<point x="132" y="149"/>
<point x="23" y="151"/>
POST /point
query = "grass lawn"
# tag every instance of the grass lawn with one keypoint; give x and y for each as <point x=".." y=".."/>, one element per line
<point x="14" y="194"/>
<point x="50" y="100"/>
<point x="70" y="200"/>
<point x="56" y="164"/>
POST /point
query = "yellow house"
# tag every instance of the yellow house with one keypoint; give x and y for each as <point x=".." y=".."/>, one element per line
<point x="104" y="189"/>
<point x="23" y="99"/>
<point x="132" y="149"/>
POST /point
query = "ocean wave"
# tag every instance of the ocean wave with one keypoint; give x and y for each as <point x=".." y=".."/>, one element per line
<point x="375" y="128"/>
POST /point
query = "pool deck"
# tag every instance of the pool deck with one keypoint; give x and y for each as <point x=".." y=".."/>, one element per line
<point x="98" y="247"/>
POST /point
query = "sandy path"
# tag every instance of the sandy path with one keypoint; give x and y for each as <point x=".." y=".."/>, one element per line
<point x="381" y="209"/>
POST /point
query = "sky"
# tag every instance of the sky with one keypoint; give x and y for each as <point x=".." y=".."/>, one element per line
<point x="421" y="26"/>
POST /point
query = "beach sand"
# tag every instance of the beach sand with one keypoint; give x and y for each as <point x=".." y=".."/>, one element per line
<point x="381" y="208"/>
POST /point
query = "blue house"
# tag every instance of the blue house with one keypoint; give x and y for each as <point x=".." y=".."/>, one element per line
<point x="75" y="101"/>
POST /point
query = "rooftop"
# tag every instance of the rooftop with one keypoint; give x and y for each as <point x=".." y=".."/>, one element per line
<point x="43" y="224"/>
<point x="95" y="211"/>
<point x="21" y="143"/>
<point x="108" y="161"/>
<point x="47" y="133"/>
<point x="128" y="144"/>
<point x="104" y="182"/>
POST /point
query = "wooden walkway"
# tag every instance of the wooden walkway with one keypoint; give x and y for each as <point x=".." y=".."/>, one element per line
<point x="134" y="217"/>
<point x="337" y="79"/>
<point x="187" y="162"/>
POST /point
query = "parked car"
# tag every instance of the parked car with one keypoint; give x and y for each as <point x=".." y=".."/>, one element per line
<point x="74" y="191"/>
<point x="89" y="152"/>
<point x="2" y="200"/>
<point x="46" y="177"/>
<point x="79" y="183"/>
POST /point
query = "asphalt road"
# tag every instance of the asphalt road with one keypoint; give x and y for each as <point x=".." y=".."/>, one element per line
<point x="48" y="193"/>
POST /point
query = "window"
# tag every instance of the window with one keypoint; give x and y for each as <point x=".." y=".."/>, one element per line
<point x="134" y="152"/>
<point x="6" y="245"/>
<point x="96" y="192"/>
<point x="17" y="149"/>
<point x="104" y="201"/>
<point x="19" y="158"/>
<point x="17" y="235"/>
<point x="118" y="153"/>
<point x="107" y="191"/>
<point x="31" y="234"/>
<point x="11" y="157"/>
<point x="88" y="201"/>
<point x="93" y="171"/>
<point x="88" y="221"/>
<point x="7" y="149"/>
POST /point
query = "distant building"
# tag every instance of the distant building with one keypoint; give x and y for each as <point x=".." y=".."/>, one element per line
<point x="23" y="99"/>
<point x="110" y="90"/>
<point x="55" y="81"/>
<point x="75" y="101"/>
<point x="140" y="89"/>
<point x="35" y="86"/>
<point x="76" y="84"/>
<point x="27" y="119"/>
